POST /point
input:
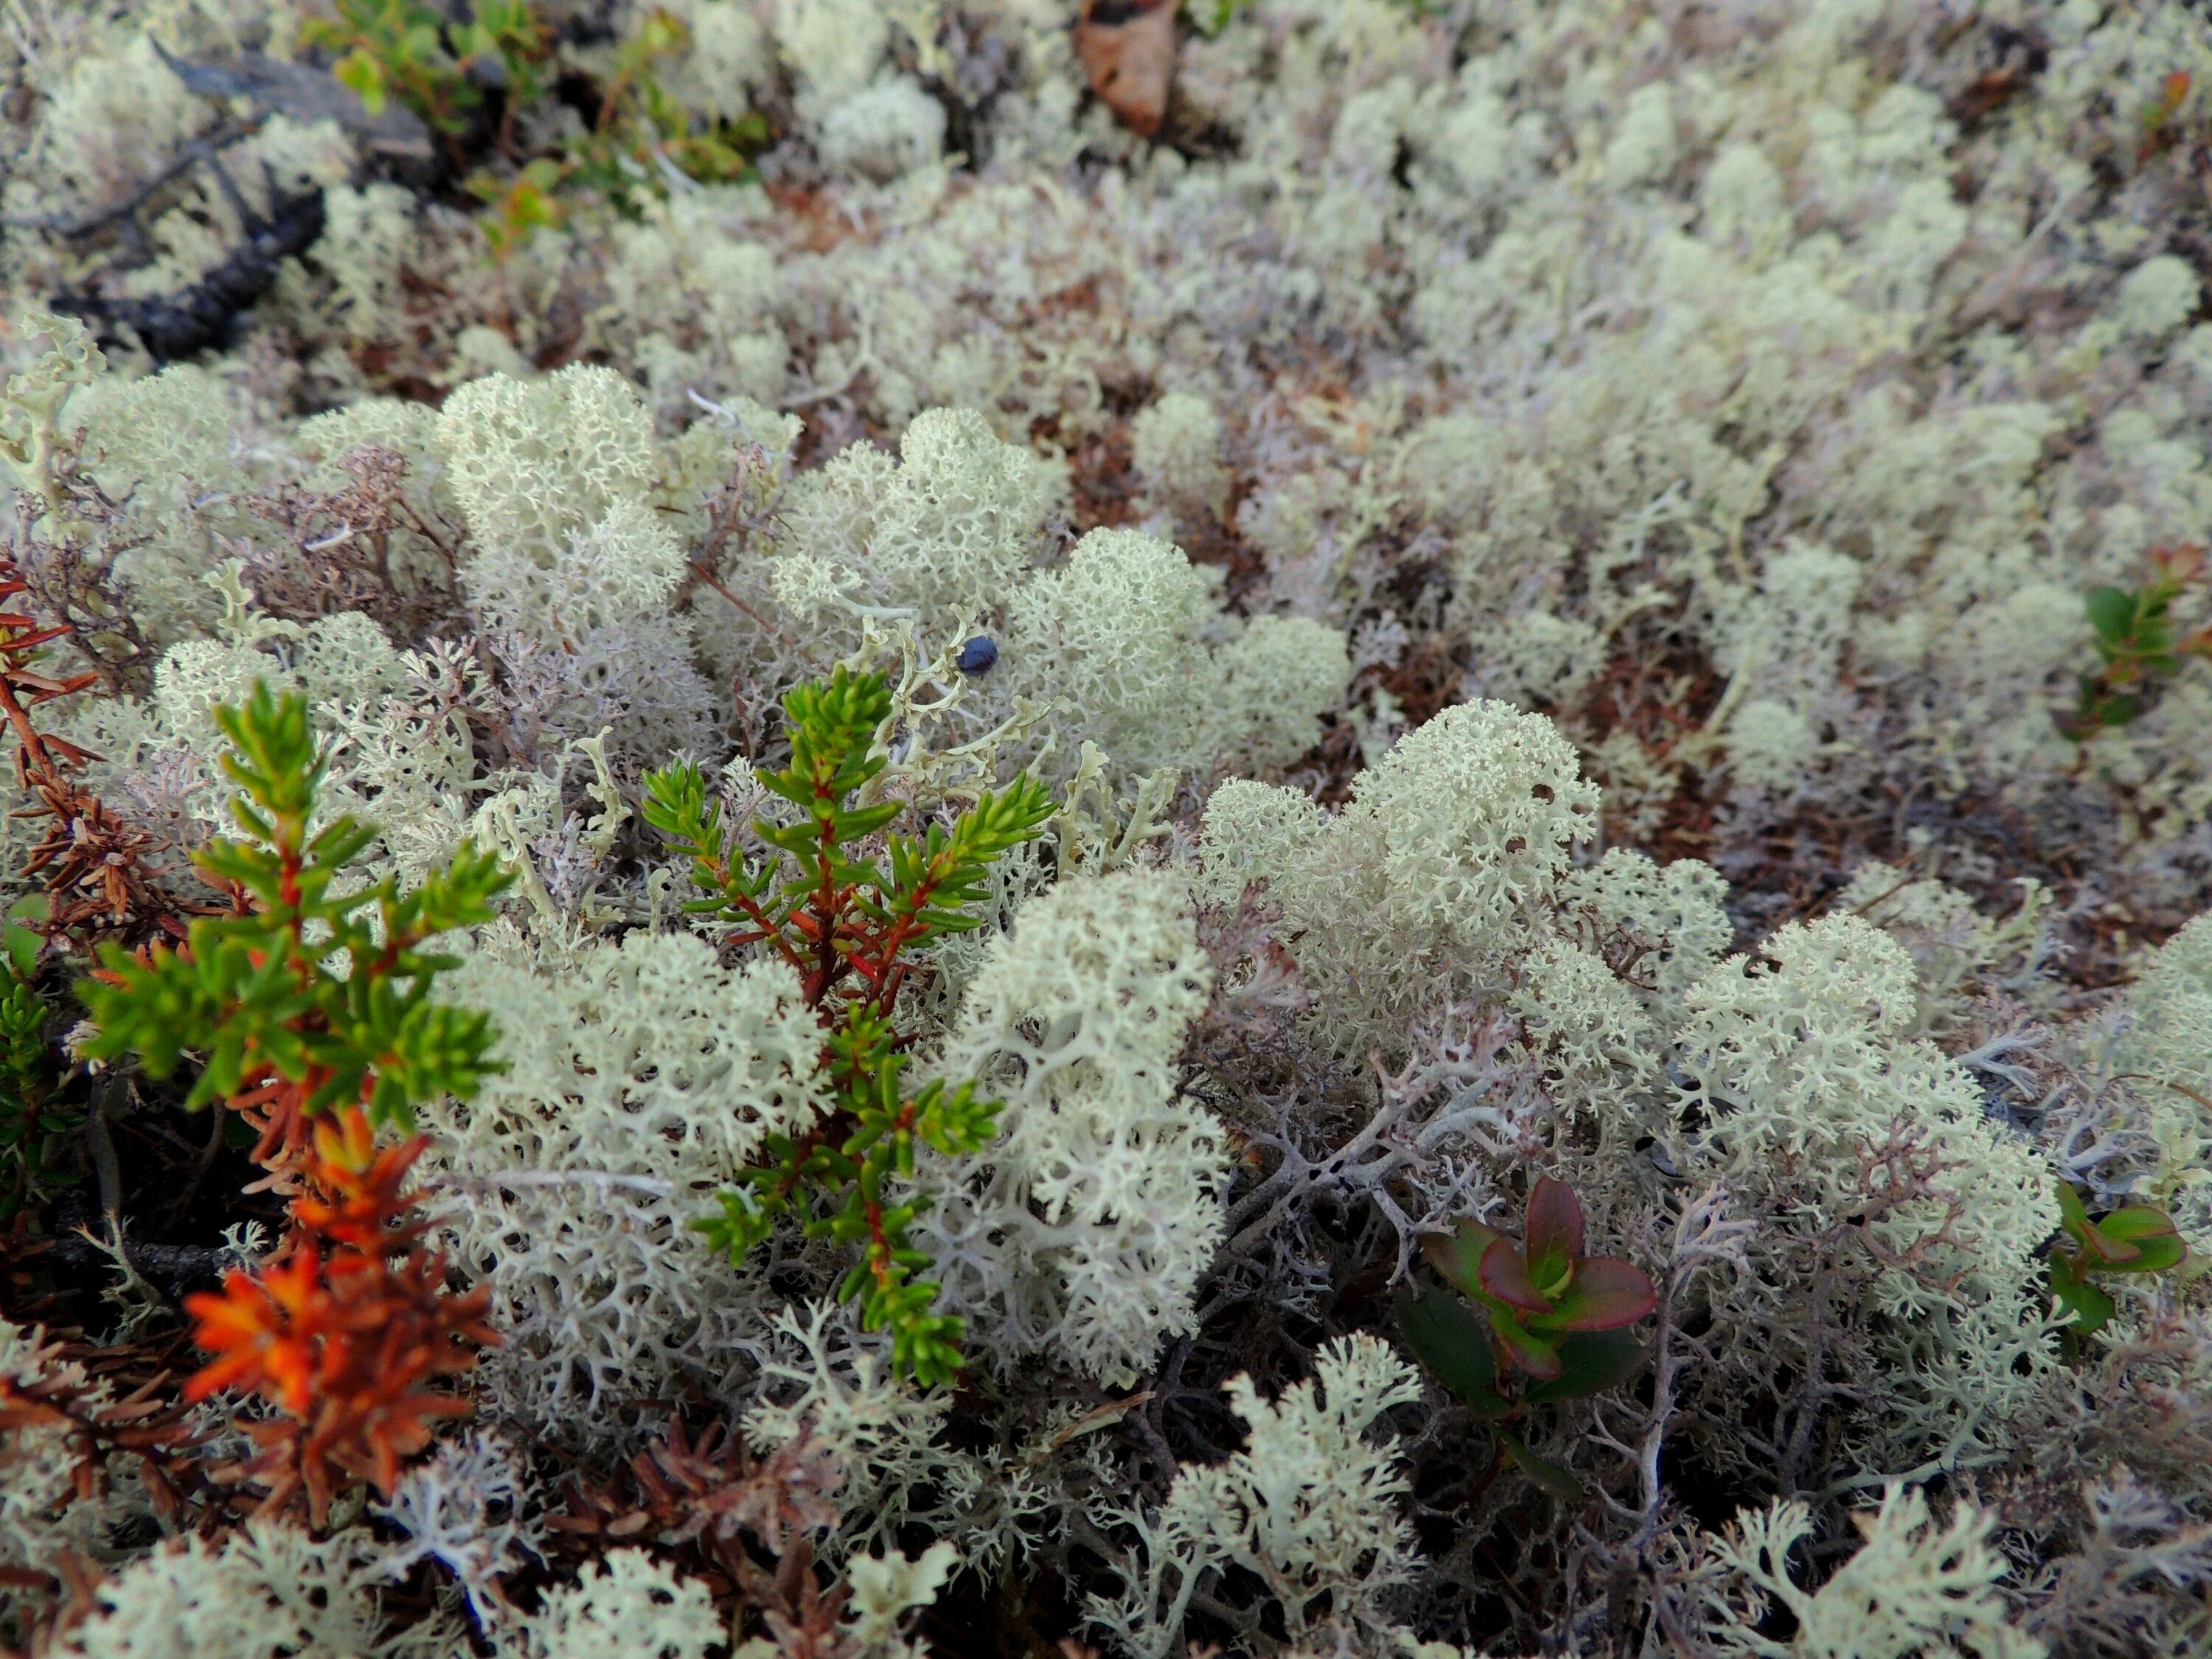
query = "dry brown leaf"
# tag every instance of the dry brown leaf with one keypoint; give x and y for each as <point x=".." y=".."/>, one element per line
<point x="1128" y="50"/>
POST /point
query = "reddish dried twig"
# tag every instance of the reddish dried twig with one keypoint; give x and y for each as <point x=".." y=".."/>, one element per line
<point x="66" y="1393"/>
<point x="705" y="1498"/>
<point x="91" y="863"/>
<point x="745" y="1527"/>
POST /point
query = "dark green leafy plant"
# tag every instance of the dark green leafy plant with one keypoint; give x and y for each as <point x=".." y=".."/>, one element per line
<point x="415" y="52"/>
<point x="1553" y="1323"/>
<point x="313" y="997"/>
<point x="641" y="127"/>
<point x="32" y="1124"/>
<point x="2137" y="637"/>
<point x="2137" y="1238"/>
<point x="850" y="919"/>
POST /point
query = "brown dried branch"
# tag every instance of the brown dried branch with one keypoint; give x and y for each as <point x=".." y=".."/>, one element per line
<point x="705" y="1499"/>
<point x="92" y="865"/>
<point x="340" y="547"/>
<point x="1898" y="1174"/>
<point x="65" y="557"/>
<point x="65" y="1391"/>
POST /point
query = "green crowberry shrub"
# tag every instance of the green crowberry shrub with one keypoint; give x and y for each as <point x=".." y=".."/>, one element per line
<point x="317" y="993"/>
<point x="849" y="903"/>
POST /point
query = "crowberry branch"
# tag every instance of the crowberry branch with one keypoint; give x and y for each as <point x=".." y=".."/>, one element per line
<point x="852" y="925"/>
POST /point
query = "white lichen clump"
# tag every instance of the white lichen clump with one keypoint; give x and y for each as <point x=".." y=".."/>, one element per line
<point x="1078" y="1238"/>
<point x="1426" y="879"/>
<point x="641" y="1077"/>
<point x="1310" y="1506"/>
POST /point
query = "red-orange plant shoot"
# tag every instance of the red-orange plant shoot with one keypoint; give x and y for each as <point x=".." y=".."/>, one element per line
<point x="348" y="1331"/>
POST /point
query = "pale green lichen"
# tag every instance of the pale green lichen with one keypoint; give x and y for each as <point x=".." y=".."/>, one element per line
<point x="1079" y="1237"/>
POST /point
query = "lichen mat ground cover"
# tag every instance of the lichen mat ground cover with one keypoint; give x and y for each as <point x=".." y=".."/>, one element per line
<point x="1106" y="830"/>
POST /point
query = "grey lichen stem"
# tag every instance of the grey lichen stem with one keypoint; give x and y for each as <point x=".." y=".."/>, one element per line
<point x="101" y="1144"/>
<point x="515" y="1180"/>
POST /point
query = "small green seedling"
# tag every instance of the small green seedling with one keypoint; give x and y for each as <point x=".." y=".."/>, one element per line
<point x="34" y="1125"/>
<point x="1554" y="1325"/>
<point x="1210" y="17"/>
<point x="2160" y="130"/>
<point x="2137" y="637"/>
<point x="2135" y="1239"/>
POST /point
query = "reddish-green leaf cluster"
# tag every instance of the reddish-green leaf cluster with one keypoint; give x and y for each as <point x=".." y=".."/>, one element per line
<point x="2137" y="637"/>
<point x="1540" y="1291"/>
<point x="2135" y="1239"/>
<point x="2160" y="130"/>
<point x="1553" y="1316"/>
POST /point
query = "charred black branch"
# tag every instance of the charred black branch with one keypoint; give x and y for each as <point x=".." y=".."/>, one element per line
<point x="205" y="314"/>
